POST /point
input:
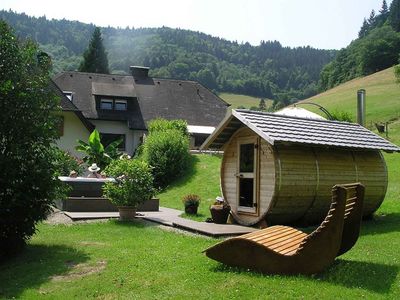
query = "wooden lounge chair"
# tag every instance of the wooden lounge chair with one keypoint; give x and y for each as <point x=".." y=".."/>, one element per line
<point x="352" y="216"/>
<point x="286" y="250"/>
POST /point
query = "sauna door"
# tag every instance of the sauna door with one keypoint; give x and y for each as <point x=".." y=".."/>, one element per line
<point x="247" y="175"/>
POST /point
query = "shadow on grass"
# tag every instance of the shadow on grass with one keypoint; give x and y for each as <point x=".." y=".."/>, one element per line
<point x="36" y="265"/>
<point x="190" y="172"/>
<point x="374" y="277"/>
<point x="381" y="224"/>
<point x="137" y="223"/>
<point x="360" y="274"/>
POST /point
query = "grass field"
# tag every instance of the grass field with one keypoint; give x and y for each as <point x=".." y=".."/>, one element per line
<point x="382" y="99"/>
<point x="202" y="179"/>
<point x="242" y="100"/>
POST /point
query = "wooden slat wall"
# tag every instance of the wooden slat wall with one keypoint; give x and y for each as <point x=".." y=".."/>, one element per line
<point x="296" y="181"/>
<point x="307" y="175"/>
<point x="266" y="182"/>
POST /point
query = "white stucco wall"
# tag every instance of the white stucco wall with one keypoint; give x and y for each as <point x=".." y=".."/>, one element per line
<point x="73" y="130"/>
<point x="132" y="137"/>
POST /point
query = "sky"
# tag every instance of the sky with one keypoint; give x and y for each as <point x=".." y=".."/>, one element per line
<point x="318" y="23"/>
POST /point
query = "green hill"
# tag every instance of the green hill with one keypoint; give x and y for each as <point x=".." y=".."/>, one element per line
<point x="382" y="100"/>
<point x="268" y="70"/>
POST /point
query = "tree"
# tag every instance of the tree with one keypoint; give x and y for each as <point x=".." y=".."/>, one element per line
<point x="28" y="131"/>
<point x="384" y="9"/>
<point x="95" y="57"/>
<point x="261" y="105"/>
<point x="394" y="15"/>
<point x="371" y="18"/>
<point x="364" y="29"/>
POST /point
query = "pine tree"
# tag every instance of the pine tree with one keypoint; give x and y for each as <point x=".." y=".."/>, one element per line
<point x="261" y="105"/>
<point x="384" y="9"/>
<point x="371" y="18"/>
<point x="394" y="15"/>
<point x="95" y="57"/>
<point x="364" y="29"/>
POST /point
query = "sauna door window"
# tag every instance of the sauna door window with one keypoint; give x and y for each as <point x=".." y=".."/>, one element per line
<point x="246" y="175"/>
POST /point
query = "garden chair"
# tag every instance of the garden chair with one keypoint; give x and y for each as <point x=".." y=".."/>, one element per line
<point x="352" y="216"/>
<point x="286" y="250"/>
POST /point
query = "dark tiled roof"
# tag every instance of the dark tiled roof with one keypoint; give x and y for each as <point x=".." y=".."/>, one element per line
<point x="67" y="105"/>
<point x="284" y="129"/>
<point x="149" y="98"/>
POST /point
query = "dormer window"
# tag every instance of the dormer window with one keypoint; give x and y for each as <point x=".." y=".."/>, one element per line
<point x="106" y="104"/>
<point x="120" y="105"/>
<point x="69" y="95"/>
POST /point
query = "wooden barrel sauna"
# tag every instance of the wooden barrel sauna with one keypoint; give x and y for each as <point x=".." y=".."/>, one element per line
<point x="292" y="183"/>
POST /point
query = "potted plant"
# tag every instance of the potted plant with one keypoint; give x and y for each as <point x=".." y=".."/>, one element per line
<point x="220" y="211"/>
<point x="191" y="203"/>
<point x="133" y="185"/>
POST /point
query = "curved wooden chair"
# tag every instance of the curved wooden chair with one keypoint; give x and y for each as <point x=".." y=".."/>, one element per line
<point x="286" y="250"/>
<point x="352" y="216"/>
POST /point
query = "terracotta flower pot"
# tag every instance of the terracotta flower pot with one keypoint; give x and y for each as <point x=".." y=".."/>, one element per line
<point x="127" y="213"/>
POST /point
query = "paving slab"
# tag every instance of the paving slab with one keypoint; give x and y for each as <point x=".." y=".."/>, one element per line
<point x="213" y="229"/>
<point x="170" y="217"/>
<point x="91" y="215"/>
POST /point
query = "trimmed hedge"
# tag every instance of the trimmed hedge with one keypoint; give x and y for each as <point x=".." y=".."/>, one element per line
<point x="166" y="150"/>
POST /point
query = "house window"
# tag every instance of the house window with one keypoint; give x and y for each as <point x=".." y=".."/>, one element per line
<point x="120" y="105"/>
<point x="106" y="104"/>
<point x="108" y="138"/>
<point x="69" y="95"/>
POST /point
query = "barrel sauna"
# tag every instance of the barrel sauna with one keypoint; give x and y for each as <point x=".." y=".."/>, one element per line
<point x="293" y="183"/>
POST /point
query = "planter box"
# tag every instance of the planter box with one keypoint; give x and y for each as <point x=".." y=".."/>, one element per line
<point x="86" y="195"/>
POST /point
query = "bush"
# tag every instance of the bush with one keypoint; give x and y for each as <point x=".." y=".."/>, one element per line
<point x="341" y="116"/>
<point x="28" y="131"/>
<point x="64" y="163"/>
<point x="168" y="154"/>
<point x="95" y="152"/>
<point x="134" y="182"/>
<point x="163" y="125"/>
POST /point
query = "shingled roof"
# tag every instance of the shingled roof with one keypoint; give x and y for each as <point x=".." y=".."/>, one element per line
<point x="67" y="105"/>
<point x="148" y="98"/>
<point x="277" y="129"/>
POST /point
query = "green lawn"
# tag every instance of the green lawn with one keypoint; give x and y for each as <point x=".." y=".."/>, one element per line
<point x="202" y="179"/>
<point x="116" y="260"/>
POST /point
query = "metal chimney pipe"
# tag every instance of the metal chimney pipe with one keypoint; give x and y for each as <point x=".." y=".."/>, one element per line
<point x="361" y="107"/>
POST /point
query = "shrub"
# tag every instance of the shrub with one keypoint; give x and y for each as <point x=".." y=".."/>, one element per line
<point x="167" y="152"/>
<point x="134" y="182"/>
<point x="163" y="125"/>
<point x="96" y="152"/>
<point x="28" y="131"/>
<point x="341" y="116"/>
<point x="64" y="163"/>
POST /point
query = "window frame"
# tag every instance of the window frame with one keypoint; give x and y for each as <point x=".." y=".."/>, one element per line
<point x="106" y="100"/>
<point x="120" y="101"/>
